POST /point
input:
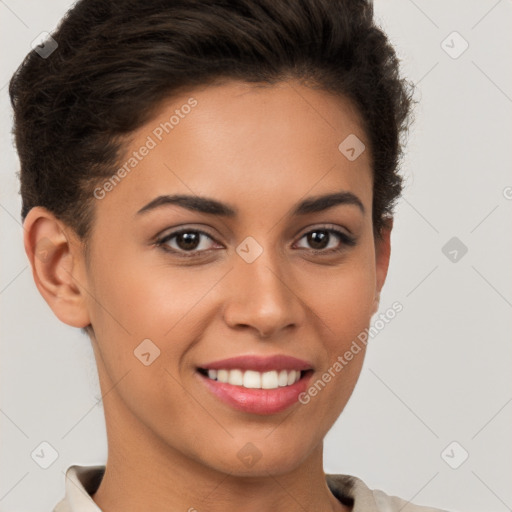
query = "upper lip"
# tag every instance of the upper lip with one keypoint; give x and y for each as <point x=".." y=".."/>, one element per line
<point x="259" y="363"/>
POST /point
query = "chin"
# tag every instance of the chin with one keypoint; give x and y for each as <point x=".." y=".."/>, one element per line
<point x="258" y="459"/>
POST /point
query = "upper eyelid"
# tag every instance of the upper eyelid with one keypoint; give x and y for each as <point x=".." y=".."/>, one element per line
<point x="327" y="226"/>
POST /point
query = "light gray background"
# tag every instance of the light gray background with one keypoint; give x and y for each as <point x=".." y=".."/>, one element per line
<point x="439" y="372"/>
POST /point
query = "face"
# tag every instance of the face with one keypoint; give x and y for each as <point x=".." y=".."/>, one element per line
<point x="172" y="291"/>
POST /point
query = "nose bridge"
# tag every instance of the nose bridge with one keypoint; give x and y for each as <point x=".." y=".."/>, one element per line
<point x="261" y="297"/>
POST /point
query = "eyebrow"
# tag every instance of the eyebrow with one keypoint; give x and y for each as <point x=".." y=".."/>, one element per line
<point x="213" y="207"/>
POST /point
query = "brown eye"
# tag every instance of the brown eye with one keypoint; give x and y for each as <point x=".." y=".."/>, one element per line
<point x="319" y="240"/>
<point x="185" y="241"/>
<point x="188" y="241"/>
<point x="194" y="242"/>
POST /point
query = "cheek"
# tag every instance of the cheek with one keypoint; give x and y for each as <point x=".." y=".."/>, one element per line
<point x="165" y="304"/>
<point x="343" y="298"/>
<point x="147" y="298"/>
<point x="132" y="307"/>
<point x="344" y="303"/>
<point x="345" y="306"/>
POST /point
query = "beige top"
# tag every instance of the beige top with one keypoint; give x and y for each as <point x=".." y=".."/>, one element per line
<point x="82" y="482"/>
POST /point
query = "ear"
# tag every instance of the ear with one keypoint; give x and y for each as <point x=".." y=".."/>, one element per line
<point x="382" y="255"/>
<point x="57" y="265"/>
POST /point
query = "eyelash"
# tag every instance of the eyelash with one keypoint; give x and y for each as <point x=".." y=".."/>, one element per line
<point x="346" y="240"/>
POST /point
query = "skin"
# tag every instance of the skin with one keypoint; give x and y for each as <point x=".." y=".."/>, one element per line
<point x="172" y="445"/>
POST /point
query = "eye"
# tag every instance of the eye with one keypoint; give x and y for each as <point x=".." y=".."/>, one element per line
<point x="189" y="242"/>
<point x="186" y="241"/>
<point x="320" y="238"/>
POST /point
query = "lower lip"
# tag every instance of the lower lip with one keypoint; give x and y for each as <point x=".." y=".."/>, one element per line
<point x="257" y="401"/>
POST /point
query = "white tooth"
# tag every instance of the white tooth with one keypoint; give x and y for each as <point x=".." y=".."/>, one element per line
<point x="252" y="379"/>
<point x="283" y="378"/>
<point x="269" y="380"/>
<point x="236" y="377"/>
<point x="256" y="380"/>
<point x="222" y="375"/>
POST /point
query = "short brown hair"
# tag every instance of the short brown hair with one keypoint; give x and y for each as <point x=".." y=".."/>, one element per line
<point x="118" y="59"/>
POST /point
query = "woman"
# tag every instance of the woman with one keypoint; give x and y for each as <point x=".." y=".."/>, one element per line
<point x="208" y="189"/>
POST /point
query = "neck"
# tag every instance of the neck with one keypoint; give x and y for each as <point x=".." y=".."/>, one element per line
<point x="149" y="476"/>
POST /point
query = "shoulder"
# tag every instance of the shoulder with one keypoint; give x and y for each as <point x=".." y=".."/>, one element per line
<point x="353" y="491"/>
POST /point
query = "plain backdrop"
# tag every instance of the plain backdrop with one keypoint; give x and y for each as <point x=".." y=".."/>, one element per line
<point x="436" y="383"/>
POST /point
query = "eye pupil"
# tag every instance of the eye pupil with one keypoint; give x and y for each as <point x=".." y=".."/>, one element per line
<point x="320" y="236"/>
<point x="188" y="237"/>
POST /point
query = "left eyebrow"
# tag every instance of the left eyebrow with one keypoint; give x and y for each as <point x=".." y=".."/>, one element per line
<point x="213" y="207"/>
<point x="320" y="203"/>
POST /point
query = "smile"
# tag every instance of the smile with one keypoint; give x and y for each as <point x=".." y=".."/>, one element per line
<point x="253" y="379"/>
<point x="256" y="384"/>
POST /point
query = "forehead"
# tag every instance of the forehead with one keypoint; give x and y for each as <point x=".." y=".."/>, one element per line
<point x="243" y="144"/>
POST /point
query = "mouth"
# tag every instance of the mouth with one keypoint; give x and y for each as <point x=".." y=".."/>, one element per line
<point x="257" y="385"/>
<point x="252" y="379"/>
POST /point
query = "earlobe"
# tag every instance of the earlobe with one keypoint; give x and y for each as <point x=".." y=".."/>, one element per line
<point x="55" y="266"/>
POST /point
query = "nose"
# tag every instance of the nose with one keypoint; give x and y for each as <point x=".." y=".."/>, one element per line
<point x="261" y="298"/>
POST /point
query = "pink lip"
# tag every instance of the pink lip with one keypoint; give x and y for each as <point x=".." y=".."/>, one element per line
<point x="257" y="401"/>
<point x="259" y="363"/>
